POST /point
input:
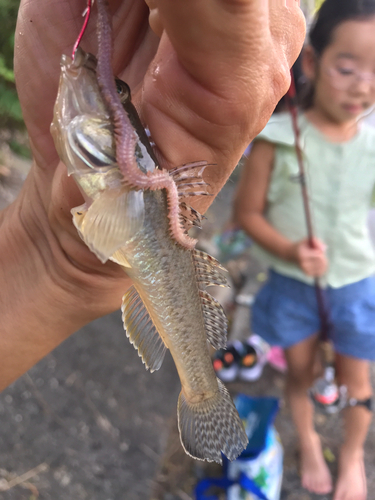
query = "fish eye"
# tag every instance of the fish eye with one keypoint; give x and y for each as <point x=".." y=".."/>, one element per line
<point x="123" y="90"/>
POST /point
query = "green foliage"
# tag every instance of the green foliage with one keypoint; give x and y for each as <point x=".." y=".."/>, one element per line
<point x="10" y="109"/>
<point x="20" y="149"/>
<point x="8" y="19"/>
<point x="5" y="73"/>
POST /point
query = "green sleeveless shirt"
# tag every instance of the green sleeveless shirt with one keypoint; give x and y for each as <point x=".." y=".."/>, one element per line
<point x="340" y="180"/>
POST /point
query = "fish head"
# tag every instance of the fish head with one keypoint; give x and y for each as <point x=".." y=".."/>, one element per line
<point x="84" y="138"/>
<point x="81" y="126"/>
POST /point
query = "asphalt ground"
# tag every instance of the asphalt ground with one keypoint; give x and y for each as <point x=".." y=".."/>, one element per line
<point x="89" y="417"/>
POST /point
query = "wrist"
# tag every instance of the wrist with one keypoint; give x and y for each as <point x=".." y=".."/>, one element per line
<point x="289" y="253"/>
<point x="31" y="304"/>
<point x="44" y="296"/>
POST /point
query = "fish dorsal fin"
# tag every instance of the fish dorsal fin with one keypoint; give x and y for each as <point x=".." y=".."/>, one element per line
<point x="208" y="270"/>
<point x="110" y="221"/>
<point x="215" y="320"/>
<point x="190" y="215"/>
<point x="141" y="331"/>
<point x="189" y="179"/>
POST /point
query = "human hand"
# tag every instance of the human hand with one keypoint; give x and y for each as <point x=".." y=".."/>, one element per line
<point x="312" y="261"/>
<point x="202" y="96"/>
<point x="205" y="89"/>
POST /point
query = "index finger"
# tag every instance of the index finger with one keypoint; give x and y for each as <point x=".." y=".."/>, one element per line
<point x="219" y="34"/>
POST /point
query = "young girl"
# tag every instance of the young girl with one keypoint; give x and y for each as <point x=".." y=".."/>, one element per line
<point x="339" y="156"/>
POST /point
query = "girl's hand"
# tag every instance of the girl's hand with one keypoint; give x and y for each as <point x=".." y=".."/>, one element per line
<point x="312" y="261"/>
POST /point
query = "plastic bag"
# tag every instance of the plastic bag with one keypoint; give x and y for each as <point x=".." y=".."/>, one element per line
<point x="262" y="461"/>
<point x="257" y="473"/>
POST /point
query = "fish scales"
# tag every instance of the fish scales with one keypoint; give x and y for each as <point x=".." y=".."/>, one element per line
<point x="164" y="276"/>
<point x="135" y="225"/>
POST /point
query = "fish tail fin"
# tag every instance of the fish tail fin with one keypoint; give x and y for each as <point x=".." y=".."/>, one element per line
<point x="210" y="427"/>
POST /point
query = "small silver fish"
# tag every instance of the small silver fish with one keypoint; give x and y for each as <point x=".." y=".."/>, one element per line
<point x="167" y="306"/>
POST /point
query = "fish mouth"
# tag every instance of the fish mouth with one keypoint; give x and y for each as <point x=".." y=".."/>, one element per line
<point x="81" y="59"/>
<point x="67" y="66"/>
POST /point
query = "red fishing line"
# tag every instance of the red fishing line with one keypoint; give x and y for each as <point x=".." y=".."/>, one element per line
<point x="86" y="13"/>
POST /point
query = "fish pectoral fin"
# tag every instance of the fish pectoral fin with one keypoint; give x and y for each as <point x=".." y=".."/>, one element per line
<point x="78" y="217"/>
<point x="110" y="221"/>
<point x="211" y="426"/>
<point x="141" y="331"/>
<point x="120" y="258"/>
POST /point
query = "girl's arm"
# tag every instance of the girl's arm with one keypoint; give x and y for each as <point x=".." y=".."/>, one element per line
<point x="249" y="208"/>
<point x="251" y="199"/>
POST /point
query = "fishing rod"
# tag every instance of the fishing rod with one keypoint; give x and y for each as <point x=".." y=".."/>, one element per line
<point x="325" y="393"/>
<point x="322" y="306"/>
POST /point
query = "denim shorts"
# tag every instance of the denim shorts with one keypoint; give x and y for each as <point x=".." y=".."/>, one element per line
<point x="285" y="312"/>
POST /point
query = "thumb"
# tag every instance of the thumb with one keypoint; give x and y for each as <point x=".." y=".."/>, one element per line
<point x="319" y="245"/>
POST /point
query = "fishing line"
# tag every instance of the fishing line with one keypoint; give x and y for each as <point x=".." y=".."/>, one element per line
<point x="85" y="13"/>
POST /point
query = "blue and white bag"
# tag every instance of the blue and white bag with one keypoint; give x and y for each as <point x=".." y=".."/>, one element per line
<point x="257" y="473"/>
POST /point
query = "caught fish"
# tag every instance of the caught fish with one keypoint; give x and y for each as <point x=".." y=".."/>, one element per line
<point x="167" y="307"/>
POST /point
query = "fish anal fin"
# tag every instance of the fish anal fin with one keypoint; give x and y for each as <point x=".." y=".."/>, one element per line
<point x="141" y="331"/>
<point x="211" y="426"/>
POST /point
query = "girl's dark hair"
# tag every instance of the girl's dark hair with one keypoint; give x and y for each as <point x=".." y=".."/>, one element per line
<point x="330" y="15"/>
